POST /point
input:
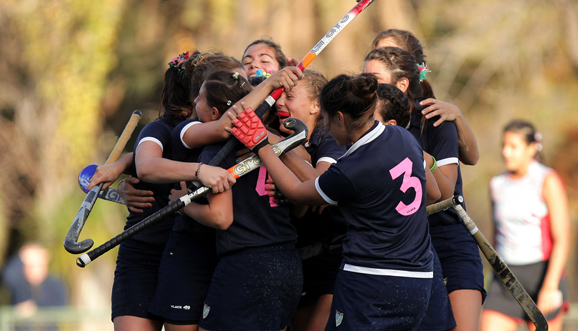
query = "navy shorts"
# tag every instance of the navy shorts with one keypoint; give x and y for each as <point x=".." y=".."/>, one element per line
<point x="185" y="273"/>
<point x="255" y="289"/>
<point x="439" y="314"/>
<point x="371" y="302"/>
<point x="460" y="258"/>
<point x="319" y="275"/>
<point x="135" y="279"/>
<point x="531" y="277"/>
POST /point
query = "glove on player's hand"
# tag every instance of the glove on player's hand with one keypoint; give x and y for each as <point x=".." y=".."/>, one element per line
<point x="250" y="130"/>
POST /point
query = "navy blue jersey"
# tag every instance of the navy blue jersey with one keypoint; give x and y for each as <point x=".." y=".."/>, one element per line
<point x="442" y="143"/>
<point x="314" y="227"/>
<point x="180" y="151"/>
<point x="256" y="223"/>
<point x="380" y="186"/>
<point x="158" y="132"/>
<point x="183" y="153"/>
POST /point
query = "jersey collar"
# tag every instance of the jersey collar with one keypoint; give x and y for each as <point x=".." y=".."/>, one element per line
<point x="367" y="137"/>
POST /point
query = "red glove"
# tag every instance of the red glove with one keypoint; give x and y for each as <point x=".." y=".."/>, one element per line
<point x="250" y="130"/>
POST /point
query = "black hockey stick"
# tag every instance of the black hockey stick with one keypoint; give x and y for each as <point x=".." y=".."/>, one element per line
<point x="275" y="95"/>
<point x="499" y="266"/>
<point x="237" y="170"/>
<point x="70" y="242"/>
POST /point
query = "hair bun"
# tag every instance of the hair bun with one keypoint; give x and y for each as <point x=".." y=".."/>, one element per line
<point x="364" y="85"/>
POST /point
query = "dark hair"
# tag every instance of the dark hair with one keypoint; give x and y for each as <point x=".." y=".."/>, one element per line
<point x="352" y="95"/>
<point x="408" y="41"/>
<point x="203" y="65"/>
<point x="225" y="88"/>
<point x="279" y="55"/>
<point x="400" y="63"/>
<point x="528" y="131"/>
<point x="175" y="93"/>
<point x="393" y="104"/>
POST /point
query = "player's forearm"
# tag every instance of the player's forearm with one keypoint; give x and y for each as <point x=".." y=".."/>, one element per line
<point x="159" y="170"/>
<point x="468" y="146"/>
<point x="556" y="266"/>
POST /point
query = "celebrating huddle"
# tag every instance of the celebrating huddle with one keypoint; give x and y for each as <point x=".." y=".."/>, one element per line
<point x="333" y="234"/>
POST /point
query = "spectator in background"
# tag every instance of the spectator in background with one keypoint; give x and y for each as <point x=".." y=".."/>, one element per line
<point x="530" y="210"/>
<point x="27" y="279"/>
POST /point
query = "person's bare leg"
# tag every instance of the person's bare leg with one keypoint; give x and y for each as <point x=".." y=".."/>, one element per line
<point x="467" y="307"/>
<point x="553" y="324"/>
<point x="313" y="317"/>
<point x="174" y="327"/>
<point x="493" y="320"/>
<point x="133" y="323"/>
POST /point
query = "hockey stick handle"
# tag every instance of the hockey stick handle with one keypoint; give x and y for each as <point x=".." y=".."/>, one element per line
<point x="504" y="273"/>
<point x="124" y="136"/>
<point x="327" y="38"/>
<point x="276" y="94"/>
<point x="240" y="169"/>
<point x="444" y="204"/>
<point x="70" y="241"/>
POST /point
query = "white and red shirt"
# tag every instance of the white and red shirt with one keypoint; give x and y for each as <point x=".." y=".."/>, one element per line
<point x="521" y="216"/>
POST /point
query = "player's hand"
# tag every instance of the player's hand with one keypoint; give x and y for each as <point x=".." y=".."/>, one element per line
<point x="286" y="78"/>
<point x="216" y="178"/>
<point x="176" y="194"/>
<point x="445" y="110"/>
<point x="549" y="300"/>
<point x="106" y="174"/>
<point x="247" y="127"/>
<point x="135" y="200"/>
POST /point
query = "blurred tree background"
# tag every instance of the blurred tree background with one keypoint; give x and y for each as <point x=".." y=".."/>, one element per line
<point x="72" y="72"/>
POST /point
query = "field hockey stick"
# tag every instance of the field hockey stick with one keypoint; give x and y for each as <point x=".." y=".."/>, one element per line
<point x="240" y="169"/>
<point x="499" y="266"/>
<point x="70" y="242"/>
<point x="275" y="95"/>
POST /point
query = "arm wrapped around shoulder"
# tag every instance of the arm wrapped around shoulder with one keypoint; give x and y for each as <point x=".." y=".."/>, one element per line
<point x="250" y="130"/>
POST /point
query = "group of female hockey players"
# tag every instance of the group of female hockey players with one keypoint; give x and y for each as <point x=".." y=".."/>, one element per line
<point x="333" y="235"/>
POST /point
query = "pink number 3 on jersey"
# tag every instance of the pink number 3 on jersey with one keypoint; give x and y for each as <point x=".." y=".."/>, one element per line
<point x="405" y="168"/>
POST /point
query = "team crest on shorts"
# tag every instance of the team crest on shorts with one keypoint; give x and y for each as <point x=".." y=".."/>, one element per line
<point x="206" y="310"/>
<point x="338" y="318"/>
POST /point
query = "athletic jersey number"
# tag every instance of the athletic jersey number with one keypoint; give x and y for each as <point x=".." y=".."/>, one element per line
<point x="405" y="167"/>
<point x="261" y="182"/>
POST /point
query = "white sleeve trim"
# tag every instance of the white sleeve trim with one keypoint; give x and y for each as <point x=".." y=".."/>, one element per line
<point x="185" y="130"/>
<point x="321" y="193"/>
<point x="387" y="272"/>
<point x="327" y="159"/>
<point x="154" y="140"/>
<point x="449" y="160"/>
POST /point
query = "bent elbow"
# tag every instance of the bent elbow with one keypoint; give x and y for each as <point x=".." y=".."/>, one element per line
<point x="223" y="222"/>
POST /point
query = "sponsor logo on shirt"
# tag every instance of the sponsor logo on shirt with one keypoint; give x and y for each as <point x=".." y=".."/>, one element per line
<point x="338" y="318"/>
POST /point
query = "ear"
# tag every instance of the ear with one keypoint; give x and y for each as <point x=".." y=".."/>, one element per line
<point x="391" y="122"/>
<point x="315" y="108"/>
<point x="340" y="118"/>
<point x="402" y="84"/>
<point x="215" y="114"/>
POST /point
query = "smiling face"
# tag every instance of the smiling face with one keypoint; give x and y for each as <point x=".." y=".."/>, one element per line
<point x="260" y="56"/>
<point x="298" y="103"/>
